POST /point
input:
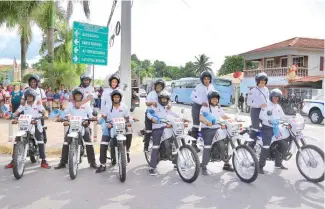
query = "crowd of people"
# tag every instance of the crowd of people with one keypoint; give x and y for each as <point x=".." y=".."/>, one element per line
<point x="11" y="97"/>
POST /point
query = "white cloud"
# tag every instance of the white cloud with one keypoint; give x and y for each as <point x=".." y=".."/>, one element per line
<point x="175" y="32"/>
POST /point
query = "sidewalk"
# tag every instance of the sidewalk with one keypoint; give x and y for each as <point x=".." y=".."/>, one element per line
<point x="55" y="138"/>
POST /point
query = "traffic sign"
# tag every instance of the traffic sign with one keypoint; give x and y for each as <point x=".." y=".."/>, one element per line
<point x="89" y="44"/>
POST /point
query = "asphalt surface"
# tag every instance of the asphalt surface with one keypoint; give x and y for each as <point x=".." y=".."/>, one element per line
<point x="42" y="189"/>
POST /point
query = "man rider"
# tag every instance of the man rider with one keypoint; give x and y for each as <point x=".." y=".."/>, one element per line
<point x="85" y="87"/>
<point x="83" y="110"/>
<point x="152" y="100"/>
<point x="34" y="109"/>
<point x="199" y="99"/>
<point x="117" y="110"/>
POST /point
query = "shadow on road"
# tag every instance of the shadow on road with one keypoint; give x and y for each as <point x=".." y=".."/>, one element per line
<point x="41" y="188"/>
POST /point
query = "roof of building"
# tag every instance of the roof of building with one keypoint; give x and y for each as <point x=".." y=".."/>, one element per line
<point x="308" y="79"/>
<point x="297" y="42"/>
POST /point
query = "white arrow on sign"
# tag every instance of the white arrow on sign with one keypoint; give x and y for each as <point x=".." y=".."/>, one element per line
<point x="75" y="58"/>
<point x="75" y="50"/>
<point x="76" y="33"/>
<point x="76" y="41"/>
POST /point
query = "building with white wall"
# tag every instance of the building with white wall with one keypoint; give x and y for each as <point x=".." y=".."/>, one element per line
<point x="277" y="59"/>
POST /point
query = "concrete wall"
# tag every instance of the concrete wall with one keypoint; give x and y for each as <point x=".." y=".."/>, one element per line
<point x="273" y="81"/>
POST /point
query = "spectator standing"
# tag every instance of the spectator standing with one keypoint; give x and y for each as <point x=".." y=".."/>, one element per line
<point x="241" y="102"/>
<point x="15" y="98"/>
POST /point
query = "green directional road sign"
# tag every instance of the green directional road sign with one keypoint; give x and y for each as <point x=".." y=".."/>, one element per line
<point x="89" y="44"/>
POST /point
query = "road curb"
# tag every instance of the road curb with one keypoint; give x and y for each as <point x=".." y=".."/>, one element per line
<point x="137" y="147"/>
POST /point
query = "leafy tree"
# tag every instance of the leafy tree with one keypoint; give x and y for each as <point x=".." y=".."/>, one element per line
<point x="235" y="63"/>
<point x="202" y="64"/>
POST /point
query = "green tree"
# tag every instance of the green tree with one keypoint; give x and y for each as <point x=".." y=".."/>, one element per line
<point x="202" y="64"/>
<point x="235" y="63"/>
<point x="19" y="14"/>
<point x="189" y="70"/>
<point x="159" y="66"/>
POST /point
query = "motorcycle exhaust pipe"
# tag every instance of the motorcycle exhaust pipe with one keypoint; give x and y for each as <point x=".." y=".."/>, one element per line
<point x="11" y="132"/>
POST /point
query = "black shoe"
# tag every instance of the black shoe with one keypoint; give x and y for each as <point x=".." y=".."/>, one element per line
<point x="59" y="166"/>
<point x="146" y="149"/>
<point x="261" y="171"/>
<point x="204" y="171"/>
<point x="196" y="148"/>
<point x="152" y="172"/>
<point x="113" y="162"/>
<point x="228" y="167"/>
<point x="281" y="167"/>
<point x="100" y="169"/>
<point x="128" y="157"/>
<point x="93" y="165"/>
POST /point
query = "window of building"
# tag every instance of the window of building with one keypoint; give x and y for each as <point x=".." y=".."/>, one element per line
<point x="321" y="66"/>
<point x="269" y="63"/>
<point x="284" y="62"/>
<point x="298" y="61"/>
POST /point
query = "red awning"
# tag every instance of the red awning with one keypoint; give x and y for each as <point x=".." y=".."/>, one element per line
<point x="307" y="79"/>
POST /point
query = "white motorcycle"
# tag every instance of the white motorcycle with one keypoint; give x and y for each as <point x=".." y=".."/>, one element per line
<point x="76" y="143"/>
<point x="25" y="143"/>
<point x="176" y="146"/>
<point x="306" y="154"/>
<point x="118" y="142"/>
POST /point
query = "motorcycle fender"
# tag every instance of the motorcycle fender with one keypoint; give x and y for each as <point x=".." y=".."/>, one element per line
<point x="121" y="138"/>
<point x="21" y="133"/>
<point x="188" y="139"/>
<point x="73" y="135"/>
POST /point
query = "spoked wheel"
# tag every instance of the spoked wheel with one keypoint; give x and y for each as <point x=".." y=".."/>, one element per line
<point x="245" y="163"/>
<point x="188" y="164"/>
<point x="147" y="155"/>
<point x="73" y="159"/>
<point x="122" y="161"/>
<point x="19" y="160"/>
<point x="310" y="163"/>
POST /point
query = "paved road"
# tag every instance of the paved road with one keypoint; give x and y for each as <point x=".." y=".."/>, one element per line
<point x="42" y="189"/>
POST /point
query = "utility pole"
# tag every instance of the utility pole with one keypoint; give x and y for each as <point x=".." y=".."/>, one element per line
<point x="126" y="50"/>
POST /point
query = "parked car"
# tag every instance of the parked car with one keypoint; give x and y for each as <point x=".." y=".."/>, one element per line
<point x="142" y="93"/>
<point x="314" y="108"/>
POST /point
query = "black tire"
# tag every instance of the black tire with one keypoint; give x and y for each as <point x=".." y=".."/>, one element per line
<point x="320" y="152"/>
<point x="196" y="161"/>
<point x="73" y="149"/>
<point x="256" y="165"/>
<point x="33" y="156"/>
<point x="319" y="114"/>
<point x="122" y="162"/>
<point x="19" y="145"/>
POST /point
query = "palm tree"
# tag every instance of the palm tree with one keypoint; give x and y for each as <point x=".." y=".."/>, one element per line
<point x="62" y="42"/>
<point x="19" y="15"/>
<point x="49" y="16"/>
<point x="202" y="64"/>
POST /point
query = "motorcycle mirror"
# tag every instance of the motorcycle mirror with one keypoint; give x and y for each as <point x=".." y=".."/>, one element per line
<point x="95" y="113"/>
<point x="269" y="113"/>
<point x="131" y="109"/>
<point x="182" y="110"/>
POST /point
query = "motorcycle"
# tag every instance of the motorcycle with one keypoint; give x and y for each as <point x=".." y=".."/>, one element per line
<point x="177" y="147"/>
<point x="76" y="143"/>
<point x="291" y="132"/>
<point x="243" y="156"/>
<point x="26" y="143"/>
<point x="118" y="142"/>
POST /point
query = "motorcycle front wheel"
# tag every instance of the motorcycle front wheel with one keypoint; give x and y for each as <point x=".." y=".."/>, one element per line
<point x="310" y="167"/>
<point x="73" y="159"/>
<point x="19" y="160"/>
<point x="245" y="163"/>
<point x="122" y="161"/>
<point x="188" y="159"/>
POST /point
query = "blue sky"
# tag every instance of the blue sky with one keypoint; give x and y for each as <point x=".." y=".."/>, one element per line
<point x="175" y="31"/>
